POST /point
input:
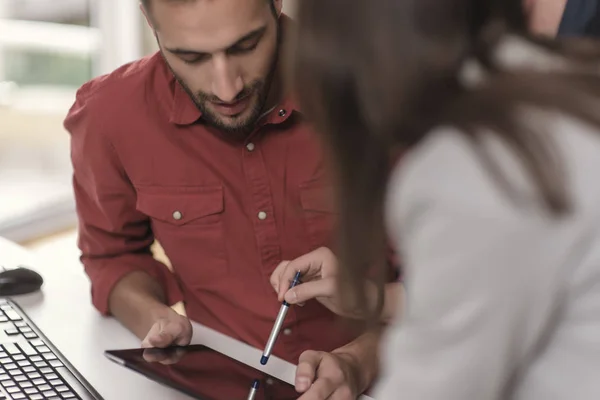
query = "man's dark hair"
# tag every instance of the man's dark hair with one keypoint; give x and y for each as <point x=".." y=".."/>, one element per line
<point x="146" y="4"/>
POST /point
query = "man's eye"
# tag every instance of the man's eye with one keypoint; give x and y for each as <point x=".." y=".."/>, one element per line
<point x="194" y="60"/>
<point x="242" y="49"/>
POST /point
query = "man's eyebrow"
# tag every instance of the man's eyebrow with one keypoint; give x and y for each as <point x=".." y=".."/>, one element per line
<point x="257" y="33"/>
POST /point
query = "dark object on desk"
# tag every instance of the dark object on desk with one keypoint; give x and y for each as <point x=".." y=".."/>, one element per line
<point x="19" y="281"/>
<point x="581" y="18"/>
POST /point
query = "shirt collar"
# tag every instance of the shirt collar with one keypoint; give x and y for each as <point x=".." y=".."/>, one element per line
<point x="184" y="110"/>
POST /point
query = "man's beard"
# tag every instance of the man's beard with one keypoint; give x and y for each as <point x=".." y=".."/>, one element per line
<point x="238" y="127"/>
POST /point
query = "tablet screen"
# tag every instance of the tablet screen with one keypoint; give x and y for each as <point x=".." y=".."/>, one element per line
<point x="203" y="373"/>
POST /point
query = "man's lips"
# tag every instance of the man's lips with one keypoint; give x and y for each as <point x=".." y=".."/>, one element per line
<point x="231" y="109"/>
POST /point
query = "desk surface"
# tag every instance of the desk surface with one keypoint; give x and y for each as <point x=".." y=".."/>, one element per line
<point x="63" y="311"/>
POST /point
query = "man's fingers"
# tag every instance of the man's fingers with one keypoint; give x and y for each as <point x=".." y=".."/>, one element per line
<point x="154" y="355"/>
<point x="308" y="363"/>
<point x="163" y="356"/>
<point x="174" y="357"/>
<point x="311" y="290"/>
<point x="168" y="332"/>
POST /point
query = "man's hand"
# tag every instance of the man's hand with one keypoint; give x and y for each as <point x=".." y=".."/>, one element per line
<point x="169" y="329"/>
<point x="323" y="375"/>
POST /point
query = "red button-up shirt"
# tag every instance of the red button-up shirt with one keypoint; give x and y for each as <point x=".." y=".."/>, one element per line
<point x="226" y="213"/>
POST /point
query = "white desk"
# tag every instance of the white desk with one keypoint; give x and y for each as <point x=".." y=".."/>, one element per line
<point x="63" y="311"/>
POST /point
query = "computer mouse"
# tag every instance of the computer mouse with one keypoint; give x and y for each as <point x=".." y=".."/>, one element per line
<point x="18" y="281"/>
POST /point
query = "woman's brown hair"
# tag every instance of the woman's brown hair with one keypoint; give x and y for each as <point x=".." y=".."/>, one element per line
<point x="375" y="76"/>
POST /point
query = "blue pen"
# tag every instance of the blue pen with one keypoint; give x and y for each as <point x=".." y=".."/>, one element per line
<point x="278" y="324"/>
<point x="253" y="390"/>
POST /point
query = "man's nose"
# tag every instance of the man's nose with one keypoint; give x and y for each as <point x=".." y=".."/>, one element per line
<point x="227" y="82"/>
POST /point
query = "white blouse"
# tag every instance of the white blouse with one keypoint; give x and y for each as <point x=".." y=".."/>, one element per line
<point x="502" y="302"/>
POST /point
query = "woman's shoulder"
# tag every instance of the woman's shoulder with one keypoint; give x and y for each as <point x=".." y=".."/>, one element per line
<point x="448" y="167"/>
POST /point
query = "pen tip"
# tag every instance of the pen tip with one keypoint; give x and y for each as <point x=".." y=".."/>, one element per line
<point x="256" y="384"/>
<point x="264" y="360"/>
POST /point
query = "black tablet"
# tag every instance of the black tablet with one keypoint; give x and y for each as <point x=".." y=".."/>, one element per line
<point x="203" y="373"/>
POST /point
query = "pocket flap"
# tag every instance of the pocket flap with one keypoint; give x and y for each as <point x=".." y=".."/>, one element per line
<point x="181" y="208"/>
<point x="317" y="197"/>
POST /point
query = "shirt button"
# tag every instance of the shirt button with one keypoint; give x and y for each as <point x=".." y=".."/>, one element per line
<point x="250" y="146"/>
<point x="177" y="215"/>
<point x="270" y="381"/>
<point x="262" y="215"/>
<point x="287" y="332"/>
<point x="282" y="113"/>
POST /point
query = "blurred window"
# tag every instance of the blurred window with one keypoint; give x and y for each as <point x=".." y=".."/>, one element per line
<point x="48" y="49"/>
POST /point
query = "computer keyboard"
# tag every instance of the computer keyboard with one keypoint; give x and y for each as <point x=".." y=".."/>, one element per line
<point x="30" y="366"/>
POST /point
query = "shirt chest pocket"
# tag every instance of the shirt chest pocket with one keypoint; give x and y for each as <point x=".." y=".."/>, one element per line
<point x="189" y="226"/>
<point x="320" y="217"/>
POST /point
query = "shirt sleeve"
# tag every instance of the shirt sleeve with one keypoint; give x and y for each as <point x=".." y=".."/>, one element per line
<point x="480" y="285"/>
<point x="114" y="238"/>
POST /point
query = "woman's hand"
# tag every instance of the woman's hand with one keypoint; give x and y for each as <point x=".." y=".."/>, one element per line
<point x="319" y="270"/>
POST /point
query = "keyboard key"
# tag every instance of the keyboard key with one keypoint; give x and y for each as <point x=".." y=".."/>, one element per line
<point x="43" y="388"/>
<point x="13" y="389"/>
<point x="34" y="375"/>
<point x="20" y="378"/>
<point x="15" y="372"/>
<point x="3" y="318"/>
<point x="56" y="363"/>
<point x="35" y="358"/>
<point x="12" y="331"/>
<point x="43" y="349"/>
<point x="19" y="357"/>
<point x="11" y="366"/>
<point x="26" y="384"/>
<point x="4" y="377"/>
<point x="25" y="329"/>
<point x="27" y="349"/>
<point x="21" y="324"/>
<point x="68" y="395"/>
<point x="38" y="382"/>
<point x="56" y="382"/>
<point x="49" y="393"/>
<point x="37" y="343"/>
<point x="28" y="369"/>
<point x="24" y="363"/>
<point x="30" y="335"/>
<point x="8" y="383"/>
<point x="46" y="370"/>
<point x="13" y="315"/>
<point x="36" y="396"/>
<point x="18" y="396"/>
<point x="31" y="390"/>
<point x="5" y="360"/>
<point x="52" y="376"/>
<point x="49" y="356"/>
<point x="41" y="364"/>
<point x="3" y="354"/>
<point x="10" y="348"/>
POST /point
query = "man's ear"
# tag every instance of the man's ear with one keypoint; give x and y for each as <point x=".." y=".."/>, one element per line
<point x="278" y="4"/>
<point x="147" y="16"/>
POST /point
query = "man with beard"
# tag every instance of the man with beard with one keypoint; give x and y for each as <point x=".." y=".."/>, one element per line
<point x="200" y="147"/>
